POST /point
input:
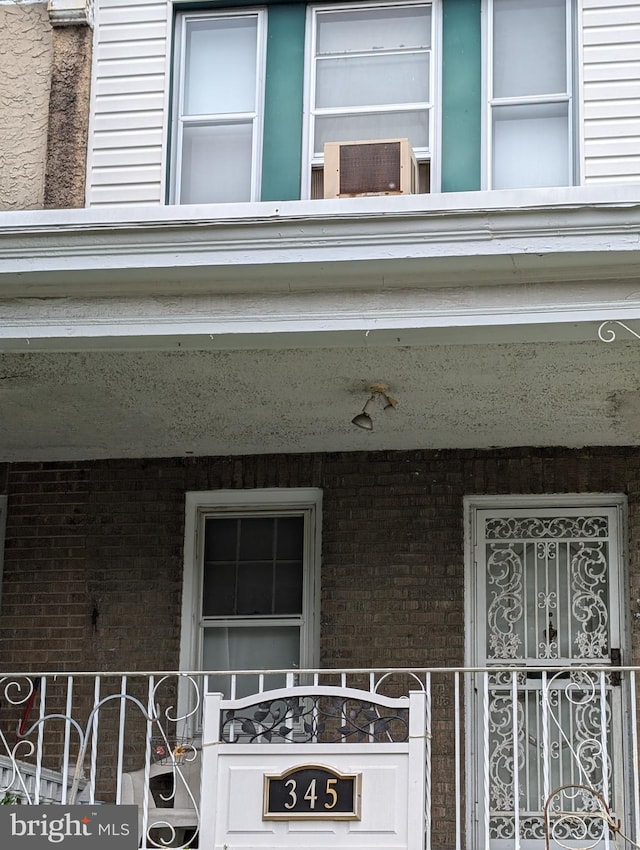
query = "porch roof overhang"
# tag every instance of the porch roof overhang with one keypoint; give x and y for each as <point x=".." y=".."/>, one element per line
<point x="463" y="303"/>
<point x="579" y="233"/>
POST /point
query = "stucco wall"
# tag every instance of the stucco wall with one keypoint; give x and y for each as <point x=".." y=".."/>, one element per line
<point x="25" y="71"/>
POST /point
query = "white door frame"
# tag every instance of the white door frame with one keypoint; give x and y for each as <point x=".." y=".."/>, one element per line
<point x="473" y="504"/>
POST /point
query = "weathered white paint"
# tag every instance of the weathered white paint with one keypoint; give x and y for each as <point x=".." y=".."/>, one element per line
<point x="369" y="243"/>
<point x="64" y="13"/>
<point x="611" y="81"/>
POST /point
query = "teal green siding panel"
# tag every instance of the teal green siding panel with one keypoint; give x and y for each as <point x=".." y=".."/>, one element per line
<point x="282" y="140"/>
<point x="461" y="95"/>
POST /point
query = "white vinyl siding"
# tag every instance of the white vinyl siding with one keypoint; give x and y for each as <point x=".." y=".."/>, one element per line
<point x="611" y="71"/>
<point x="129" y="102"/>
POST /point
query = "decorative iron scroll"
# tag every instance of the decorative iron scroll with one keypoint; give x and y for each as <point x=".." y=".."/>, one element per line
<point x="577" y="817"/>
<point x="504" y="578"/>
<point x="315" y="719"/>
<point x="589" y="574"/>
<point x="23" y="692"/>
<point x="506" y="528"/>
<point x="571" y="747"/>
<point x="607" y="333"/>
<point x="526" y="616"/>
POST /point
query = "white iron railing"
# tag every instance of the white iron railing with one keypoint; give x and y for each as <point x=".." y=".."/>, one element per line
<point x="515" y="757"/>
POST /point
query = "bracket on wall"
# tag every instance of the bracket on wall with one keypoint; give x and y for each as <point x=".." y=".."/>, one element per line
<point x="608" y="334"/>
<point x="64" y="13"/>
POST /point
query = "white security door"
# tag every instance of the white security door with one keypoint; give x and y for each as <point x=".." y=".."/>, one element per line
<point x="547" y="744"/>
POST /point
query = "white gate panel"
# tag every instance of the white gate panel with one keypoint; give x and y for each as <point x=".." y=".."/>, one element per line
<point x="391" y="780"/>
<point x="385" y="794"/>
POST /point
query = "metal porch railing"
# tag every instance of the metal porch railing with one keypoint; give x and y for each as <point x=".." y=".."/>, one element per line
<point x="515" y="757"/>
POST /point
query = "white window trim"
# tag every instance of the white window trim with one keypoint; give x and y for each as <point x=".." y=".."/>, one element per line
<point x="308" y="159"/>
<point x="177" y="98"/>
<point x="199" y="505"/>
<point x="573" y="54"/>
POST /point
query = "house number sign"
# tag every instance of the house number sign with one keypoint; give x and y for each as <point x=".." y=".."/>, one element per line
<point x="312" y="792"/>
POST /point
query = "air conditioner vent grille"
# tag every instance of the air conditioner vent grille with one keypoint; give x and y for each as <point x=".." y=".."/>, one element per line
<point x="370" y="168"/>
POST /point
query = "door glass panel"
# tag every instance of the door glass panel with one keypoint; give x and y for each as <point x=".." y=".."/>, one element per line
<point x="531" y="145"/>
<point x="371" y="80"/>
<point x="529" y="47"/>
<point x="558" y="734"/>
<point x="216" y="163"/>
<point x="220" y="65"/>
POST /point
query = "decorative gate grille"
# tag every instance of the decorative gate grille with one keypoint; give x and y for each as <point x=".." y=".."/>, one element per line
<point x="547" y="582"/>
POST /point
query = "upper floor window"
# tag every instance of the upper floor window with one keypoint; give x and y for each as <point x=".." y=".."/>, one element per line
<point x="370" y="78"/>
<point x="530" y="94"/>
<point x="218" y="103"/>
<point x="258" y="92"/>
<point x="369" y="75"/>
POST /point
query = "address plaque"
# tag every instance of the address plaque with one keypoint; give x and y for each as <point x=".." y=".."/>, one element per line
<point x="312" y="792"/>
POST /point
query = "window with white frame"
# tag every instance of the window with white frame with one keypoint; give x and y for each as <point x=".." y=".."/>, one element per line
<point x="251" y="115"/>
<point x="250" y="585"/>
<point x="530" y="94"/>
<point x="217" y="105"/>
<point x="370" y="77"/>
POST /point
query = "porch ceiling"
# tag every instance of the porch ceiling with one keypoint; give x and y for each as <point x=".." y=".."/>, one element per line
<point x="99" y="404"/>
<point x="256" y="330"/>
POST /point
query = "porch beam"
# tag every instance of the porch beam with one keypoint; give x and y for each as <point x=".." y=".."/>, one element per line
<point x="560" y="312"/>
<point x="472" y="238"/>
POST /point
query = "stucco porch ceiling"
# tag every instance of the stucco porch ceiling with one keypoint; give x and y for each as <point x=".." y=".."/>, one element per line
<point x="141" y="335"/>
<point x="98" y="404"/>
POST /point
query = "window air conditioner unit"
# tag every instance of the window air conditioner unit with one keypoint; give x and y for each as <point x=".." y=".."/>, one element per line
<point x="377" y="167"/>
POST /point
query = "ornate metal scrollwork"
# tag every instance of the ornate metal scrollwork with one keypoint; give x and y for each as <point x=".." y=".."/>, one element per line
<point x="505" y="572"/>
<point x="506" y="528"/>
<point x="314" y="719"/>
<point x="606" y="333"/>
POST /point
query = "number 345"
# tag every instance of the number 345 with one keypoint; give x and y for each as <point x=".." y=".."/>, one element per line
<point x="311" y="794"/>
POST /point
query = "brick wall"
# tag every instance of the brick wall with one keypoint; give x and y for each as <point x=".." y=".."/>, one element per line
<point x="93" y="559"/>
<point x="93" y="551"/>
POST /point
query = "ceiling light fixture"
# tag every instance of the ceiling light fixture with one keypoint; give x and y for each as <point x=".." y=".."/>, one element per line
<point x="379" y="392"/>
